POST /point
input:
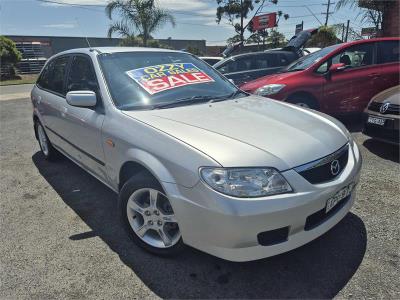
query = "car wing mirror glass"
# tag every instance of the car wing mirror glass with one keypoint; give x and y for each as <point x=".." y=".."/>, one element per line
<point x="81" y="98"/>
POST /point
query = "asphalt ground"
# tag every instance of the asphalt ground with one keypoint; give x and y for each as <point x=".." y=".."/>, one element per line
<point x="61" y="237"/>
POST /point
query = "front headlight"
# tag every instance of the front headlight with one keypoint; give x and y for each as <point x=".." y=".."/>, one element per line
<point x="269" y="89"/>
<point x="245" y="182"/>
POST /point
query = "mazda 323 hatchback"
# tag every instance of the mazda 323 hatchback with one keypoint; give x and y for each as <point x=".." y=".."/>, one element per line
<point x="195" y="160"/>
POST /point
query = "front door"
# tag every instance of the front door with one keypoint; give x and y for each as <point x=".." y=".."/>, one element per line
<point x="349" y="90"/>
<point x="82" y="125"/>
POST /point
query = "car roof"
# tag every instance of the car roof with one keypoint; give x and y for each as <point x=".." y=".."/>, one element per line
<point x="116" y="50"/>
<point x="370" y="41"/>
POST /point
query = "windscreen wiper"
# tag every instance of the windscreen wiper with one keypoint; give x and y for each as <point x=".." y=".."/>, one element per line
<point x="183" y="101"/>
<point x="230" y="96"/>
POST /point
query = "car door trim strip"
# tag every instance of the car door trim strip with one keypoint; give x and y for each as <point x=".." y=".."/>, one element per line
<point x="77" y="148"/>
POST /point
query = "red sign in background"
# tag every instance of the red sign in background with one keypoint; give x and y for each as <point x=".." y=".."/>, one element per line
<point x="264" y="21"/>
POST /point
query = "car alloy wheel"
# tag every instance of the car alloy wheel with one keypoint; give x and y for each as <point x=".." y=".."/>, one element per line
<point x="152" y="219"/>
<point x="43" y="142"/>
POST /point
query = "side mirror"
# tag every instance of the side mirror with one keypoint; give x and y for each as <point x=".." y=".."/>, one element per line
<point x="81" y="98"/>
<point x="337" y="67"/>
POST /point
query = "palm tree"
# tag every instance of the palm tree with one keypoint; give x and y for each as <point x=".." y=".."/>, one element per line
<point x="142" y="16"/>
<point x="371" y="11"/>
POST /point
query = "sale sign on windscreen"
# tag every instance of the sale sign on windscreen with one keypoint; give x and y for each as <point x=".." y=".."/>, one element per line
<point x="159" y="78"/>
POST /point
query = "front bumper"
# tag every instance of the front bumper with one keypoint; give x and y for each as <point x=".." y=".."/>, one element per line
<point x="229" y="227"/>
<point x="388" y="133"/>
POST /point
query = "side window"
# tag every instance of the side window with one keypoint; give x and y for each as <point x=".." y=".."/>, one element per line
<point x="57" y="75"/>
<point x="388" y="52"/>
<point x="283" y="60"/>
<point x="356" y="56"/>
<point x="239" y="64"/>
<point x="323" y="68"/>
<point x="81" y="75"/>
<point x="43" y="80"/>
<point x="262" y="61"/>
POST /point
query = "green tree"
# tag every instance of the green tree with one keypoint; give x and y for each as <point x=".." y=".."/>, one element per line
<point x="325" y="37"/>
<point x="371" y="11"/>
<point x="137" y="41"/>
<point x="143" y="16"/>
<point x="9" y="55"/>
<point x="235" y="11"/>
<point x="275" y="39"/>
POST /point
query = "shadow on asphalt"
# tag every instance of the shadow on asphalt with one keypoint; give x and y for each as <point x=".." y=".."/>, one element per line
<point x="319" y="269"/>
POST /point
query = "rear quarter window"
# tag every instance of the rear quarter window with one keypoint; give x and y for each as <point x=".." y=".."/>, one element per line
<point x="388" y="52"/>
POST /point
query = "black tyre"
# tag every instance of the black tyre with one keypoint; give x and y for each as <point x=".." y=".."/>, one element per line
<point x="148" y="217"/>
<point x="46" y="148"/>
<point x="303" y="101"/>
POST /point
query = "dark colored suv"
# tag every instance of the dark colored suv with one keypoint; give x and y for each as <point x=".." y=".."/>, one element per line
<point x="246" y="67"/>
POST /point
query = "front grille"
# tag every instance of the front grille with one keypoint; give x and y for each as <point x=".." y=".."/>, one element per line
<point x="320" y="171"/>
<point x="393" y="109"/>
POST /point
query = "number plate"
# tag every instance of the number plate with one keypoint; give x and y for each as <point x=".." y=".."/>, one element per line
<point x="376" y="121"/>
<point x="340" y="195"/>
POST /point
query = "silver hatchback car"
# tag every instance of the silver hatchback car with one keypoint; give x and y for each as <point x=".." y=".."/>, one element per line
<point x="195" y="160"/>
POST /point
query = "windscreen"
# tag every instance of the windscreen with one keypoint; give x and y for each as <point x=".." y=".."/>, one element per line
<point x="137" y="80"/>
<point x="308" y="60"/>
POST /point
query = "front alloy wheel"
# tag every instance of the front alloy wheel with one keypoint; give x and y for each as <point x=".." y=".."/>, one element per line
<point x="152" y="218"/>
<point x="148" y="217"/>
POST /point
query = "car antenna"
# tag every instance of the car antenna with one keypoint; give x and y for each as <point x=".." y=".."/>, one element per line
<point x="86" y="39"/>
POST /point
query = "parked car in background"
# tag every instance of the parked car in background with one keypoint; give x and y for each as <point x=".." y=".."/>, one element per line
<point x="194" y="159"/>
<point x="382" y="116"/>
<point x="307" y="51"/>
<point x="338" y="79"/>
<point x="211" y="60"/>
<point x="245" y="67"/>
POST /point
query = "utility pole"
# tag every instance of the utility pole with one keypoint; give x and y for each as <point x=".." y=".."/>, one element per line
<point x="347" y="30"/>
<point x="328" y="7"/>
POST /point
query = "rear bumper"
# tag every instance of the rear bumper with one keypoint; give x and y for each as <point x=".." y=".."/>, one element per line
<point x="235" y="229"/>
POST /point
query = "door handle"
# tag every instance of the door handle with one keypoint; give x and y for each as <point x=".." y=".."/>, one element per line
<point x="64" y="110"/>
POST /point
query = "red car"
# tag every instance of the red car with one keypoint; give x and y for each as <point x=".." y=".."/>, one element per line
<point x="338" y="79"/>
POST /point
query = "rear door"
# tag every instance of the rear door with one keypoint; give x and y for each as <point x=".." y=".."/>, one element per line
<point x="51" y="97"/>
<point x="349" y="90"/>
<point x="388" y="55"/>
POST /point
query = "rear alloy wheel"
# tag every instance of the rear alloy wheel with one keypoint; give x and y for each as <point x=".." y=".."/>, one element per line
<point x="148" y="216"/>
<point x="45" y="145"/>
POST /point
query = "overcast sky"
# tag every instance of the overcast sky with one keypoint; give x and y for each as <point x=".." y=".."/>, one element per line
<point x="195" y="19"/>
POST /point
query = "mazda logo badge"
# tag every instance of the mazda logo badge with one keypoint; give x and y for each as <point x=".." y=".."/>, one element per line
<point x="384" y="107"/>
<point x="335" y="167"/>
